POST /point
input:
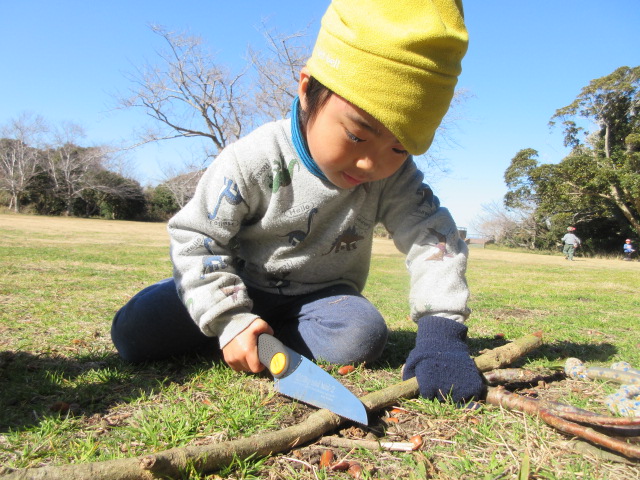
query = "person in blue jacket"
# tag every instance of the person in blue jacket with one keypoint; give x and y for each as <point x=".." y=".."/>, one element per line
<point x="628" y="249"/>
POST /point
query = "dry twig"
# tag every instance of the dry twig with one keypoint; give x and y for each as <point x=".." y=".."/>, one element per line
<point x="342" y="442"/>
<point x="552" y="413"/>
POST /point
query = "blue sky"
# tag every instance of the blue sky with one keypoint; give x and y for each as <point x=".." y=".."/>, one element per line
<point x="66" y="60"/>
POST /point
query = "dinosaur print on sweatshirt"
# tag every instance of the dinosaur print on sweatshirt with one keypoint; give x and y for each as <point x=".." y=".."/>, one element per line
<point x="233" y="290"/>
<point x="212" y="264"/>
<point x="297" y="236"/>
<point x="345" y="241"/>
<point x="228" y="192"/>
<point x="427" y="201"/>
<point x="283" y="174"/>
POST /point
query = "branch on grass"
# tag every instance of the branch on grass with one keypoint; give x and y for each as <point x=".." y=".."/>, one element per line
<point x="206" y="458"/>
<point x="171" y="463"/>
<point x="581" y="431"/>
<point x="341" y="442"/>
<point x="551" y="413"/>
<point x="578" y="415"/>
<point x="503" y="376"/>
<point x="507" y="354"/>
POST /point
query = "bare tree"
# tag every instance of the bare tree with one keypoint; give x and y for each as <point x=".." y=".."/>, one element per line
<point x="20" y="140"/>
<point x="513" y="227"/>
<point x="189" y="95"/>
<point x="182" y="183"/>
<point x="72" y="168"/>
<point x="278" y="70"/>
<point x="118" y="159"/>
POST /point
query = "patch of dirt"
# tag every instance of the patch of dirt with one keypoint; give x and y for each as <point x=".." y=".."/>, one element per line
<point x="509" y="313"/>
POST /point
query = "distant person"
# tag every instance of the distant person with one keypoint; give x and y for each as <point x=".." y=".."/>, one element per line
<point x="277" y="238"/>
<point x="628" y="249"/>
<point x="571" y="242"/>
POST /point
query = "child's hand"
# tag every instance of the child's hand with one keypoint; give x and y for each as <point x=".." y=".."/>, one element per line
<point x="441" y="362"/>
<point x="241" y="353"/>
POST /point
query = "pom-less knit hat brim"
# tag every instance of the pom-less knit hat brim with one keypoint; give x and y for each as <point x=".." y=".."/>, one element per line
<point x="397" y="60"/>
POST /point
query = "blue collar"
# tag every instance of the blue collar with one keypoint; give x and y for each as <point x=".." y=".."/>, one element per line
<point x="299" y="143"/>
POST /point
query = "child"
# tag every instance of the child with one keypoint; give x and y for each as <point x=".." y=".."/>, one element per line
<point x="278" y="236"/>
<point x="571" y="242"/>
<point x="628" y="249"/>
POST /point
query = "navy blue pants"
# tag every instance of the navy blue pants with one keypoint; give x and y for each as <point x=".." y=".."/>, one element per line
<point x="335" y="324"/>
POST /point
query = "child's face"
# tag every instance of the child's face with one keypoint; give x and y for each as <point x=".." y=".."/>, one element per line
<point x="349" y="145"/>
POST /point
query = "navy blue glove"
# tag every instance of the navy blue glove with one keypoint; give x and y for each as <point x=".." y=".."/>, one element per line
<point x="441" y="362"/>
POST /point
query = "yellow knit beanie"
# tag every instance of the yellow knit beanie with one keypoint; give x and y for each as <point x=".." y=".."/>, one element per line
<point x="398" y="60"/>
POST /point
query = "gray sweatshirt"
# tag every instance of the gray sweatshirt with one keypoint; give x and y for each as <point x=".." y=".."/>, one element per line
<point x="259" y="217"/>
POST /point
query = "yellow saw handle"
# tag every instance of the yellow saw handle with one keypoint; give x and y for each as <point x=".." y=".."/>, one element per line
<point x="279" y="359"/>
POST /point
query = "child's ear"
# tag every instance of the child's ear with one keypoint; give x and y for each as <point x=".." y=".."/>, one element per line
<point x="303" y="84"/>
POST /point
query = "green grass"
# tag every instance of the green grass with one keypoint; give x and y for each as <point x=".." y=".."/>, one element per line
<point x="66" y="397"/>
<point x="589" y="309"/>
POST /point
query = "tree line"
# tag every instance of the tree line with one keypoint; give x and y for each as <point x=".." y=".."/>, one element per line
<point x="595" y="188"/>
<point x="188" y="94"/>
<point x="45" y="170"/>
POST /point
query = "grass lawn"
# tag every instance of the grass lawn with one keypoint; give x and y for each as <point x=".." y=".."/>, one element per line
<point x="65" y="396"/>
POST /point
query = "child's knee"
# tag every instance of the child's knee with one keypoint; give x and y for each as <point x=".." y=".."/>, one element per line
<point x="359" y="342"/>
<point x="368" y="346"/>
<point x="123" y="338"/>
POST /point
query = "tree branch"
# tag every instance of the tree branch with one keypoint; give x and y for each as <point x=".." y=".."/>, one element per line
<point x="551" y="413"/>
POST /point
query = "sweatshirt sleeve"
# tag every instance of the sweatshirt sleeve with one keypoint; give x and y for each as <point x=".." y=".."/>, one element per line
<point x="202" y="251"/>
<point x="426" y="233"/>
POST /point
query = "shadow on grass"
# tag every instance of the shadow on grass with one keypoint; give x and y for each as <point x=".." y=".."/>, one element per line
<point x="587" y="352"/>
<point x="36" y="386"/>
<point x="402" y="341"/>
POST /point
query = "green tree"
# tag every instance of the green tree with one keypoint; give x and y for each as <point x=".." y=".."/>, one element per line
<point x="161" y="203"/>
<point x="519" y="180"/>
<point x="596" y="186"/>
<point x="604" y="164"/>
<point x="113" y="196"/>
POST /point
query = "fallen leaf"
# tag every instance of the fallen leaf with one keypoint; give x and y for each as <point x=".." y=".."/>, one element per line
<point x="355" y="470"/>
<point x="346" y="369"/>
<point x="326" y="459"/>
<point x="341" y="466"/>
<point x="417" y="441"/>
<point x="397" y="410"/>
